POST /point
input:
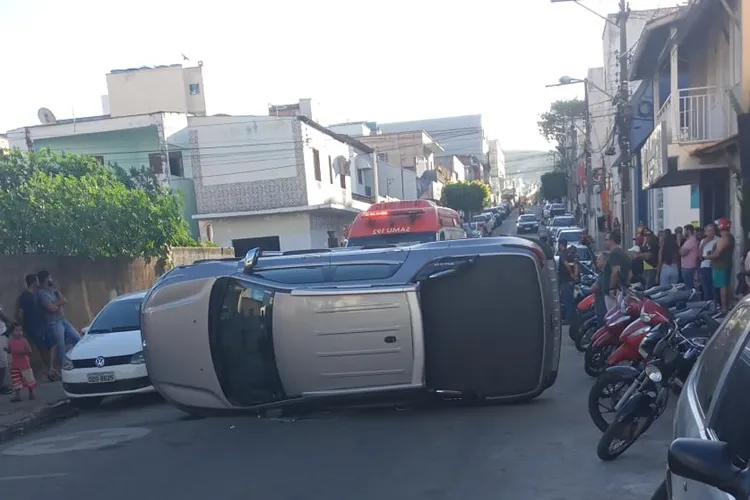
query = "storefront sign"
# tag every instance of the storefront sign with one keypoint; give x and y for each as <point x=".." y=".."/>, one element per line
<point x="654" y="156"/>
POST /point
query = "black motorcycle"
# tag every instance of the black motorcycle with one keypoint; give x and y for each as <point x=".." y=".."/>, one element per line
<point x="672" y="357"/>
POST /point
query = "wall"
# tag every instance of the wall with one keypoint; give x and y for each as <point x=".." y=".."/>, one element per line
<point x="90" y="283"/>
<point x="390" y="182"/>
<point x="184" y="256"/>
<point x="320" y="224"/>
<point x="293" y="229"/>
<point x="458" y="135"/>
<point x="247" y="163"/>
<point x="327" y="189"/>
<point x="351" y="129"/>
<point x="401" y="148"/>
<point x="128" y="148"/>
<point x="363" y="164"/>
<point x="151" y="90"/>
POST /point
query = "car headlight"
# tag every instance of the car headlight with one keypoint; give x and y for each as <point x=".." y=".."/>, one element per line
<point x="67" y="364"/>
<point x="138" y="358"/>
<point x="653" y="373"/>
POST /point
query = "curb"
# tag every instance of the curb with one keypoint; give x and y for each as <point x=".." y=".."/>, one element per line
<point x="38" y="419"/>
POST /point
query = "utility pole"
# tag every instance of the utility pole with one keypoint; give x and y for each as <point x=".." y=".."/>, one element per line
<point x="624" y="123"/>
<point x="587" y="155"/>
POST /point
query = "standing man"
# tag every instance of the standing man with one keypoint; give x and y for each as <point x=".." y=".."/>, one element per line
<point x="617" y="270"/>
<point x="565" y="278"/>
<point x="52" y="302"/>
<point x="30" y="316"/>
<point x="721" y="262"/>
<point x="689" y="256"/>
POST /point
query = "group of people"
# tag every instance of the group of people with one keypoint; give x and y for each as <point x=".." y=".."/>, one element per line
<point x="40" y="318"/>
<point x="699" y="257"/>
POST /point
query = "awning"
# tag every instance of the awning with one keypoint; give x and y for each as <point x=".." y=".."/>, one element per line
<point x="729" y="145"/>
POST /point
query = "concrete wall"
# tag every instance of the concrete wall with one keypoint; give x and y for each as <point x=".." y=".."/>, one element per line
<point x="328" y="189"/>
<point x="390" y="182"/>
<point x="89" y="284"/>
<point x="293" y="229"/>
<point x="458" y="135"/>
<point x="150" y="90"/>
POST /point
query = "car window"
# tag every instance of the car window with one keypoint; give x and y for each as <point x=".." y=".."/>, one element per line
<point x="527" y="218"/>
<point x="732" y="414"/>
<point x="716" y="355"/>
<point x="118" y="316"/>
<point x="563" y="221"/>
<point x="571" y="236"/>
<point x="309" y="275"/>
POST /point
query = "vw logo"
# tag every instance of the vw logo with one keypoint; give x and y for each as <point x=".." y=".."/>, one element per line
<point x="99" y="362"/>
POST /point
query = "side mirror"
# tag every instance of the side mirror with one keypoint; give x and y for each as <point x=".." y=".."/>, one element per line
<point x="251" y="258"/>
<point x="708" y="462"/>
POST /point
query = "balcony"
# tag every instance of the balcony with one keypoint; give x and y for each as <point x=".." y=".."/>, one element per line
<point x="703" y="115"/>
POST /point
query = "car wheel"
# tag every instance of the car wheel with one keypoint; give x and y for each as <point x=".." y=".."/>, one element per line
<point x="86" y="403"/>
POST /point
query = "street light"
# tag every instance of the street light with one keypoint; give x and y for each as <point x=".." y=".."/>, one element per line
<point x="569" y="80"/>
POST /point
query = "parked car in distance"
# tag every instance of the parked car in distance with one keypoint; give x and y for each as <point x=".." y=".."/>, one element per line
<point x="109" y="359"/>
<point x="709" y="457"/>
<point x="249" y="334"/>
<point x="585" y="255"/>
<point x="571" y="235"/>
<point x="472" y="230"/>
<point x="527" y="223"/>
<point x="559" y="223"/>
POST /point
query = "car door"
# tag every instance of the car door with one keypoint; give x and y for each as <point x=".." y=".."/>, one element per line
<point x="714" y="403"/>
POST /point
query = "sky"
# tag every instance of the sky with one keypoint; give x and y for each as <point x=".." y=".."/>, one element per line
<point x="383" y="60"/>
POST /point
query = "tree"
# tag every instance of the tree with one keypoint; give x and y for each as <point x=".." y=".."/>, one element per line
<point x="554" y="125"/>
<point x="466" y="197"/>
<point x="554" y="185"/>
<point x="67" y="204"/>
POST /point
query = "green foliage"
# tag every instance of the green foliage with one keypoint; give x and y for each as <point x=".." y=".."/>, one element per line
<point x="466" y="197"/>
<point x="554" y="185"/>
<point x="67" y="204"/>
<point x="555" y="123"/>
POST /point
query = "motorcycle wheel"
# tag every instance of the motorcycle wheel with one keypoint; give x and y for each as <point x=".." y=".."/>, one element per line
<point x="620" y="436"/>
<point x="574" y="327"/>
<point x="615" y="385"/>
<point x="584" y="339"/>
<point x="595" y="359"/>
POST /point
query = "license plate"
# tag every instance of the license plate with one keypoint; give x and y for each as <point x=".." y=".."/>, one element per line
<point x="100" y="378"/>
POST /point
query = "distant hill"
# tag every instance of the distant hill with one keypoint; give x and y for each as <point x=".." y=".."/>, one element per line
<point x="529" y="165"/>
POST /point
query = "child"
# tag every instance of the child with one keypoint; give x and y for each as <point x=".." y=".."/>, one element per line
<point x="21" y="373"/>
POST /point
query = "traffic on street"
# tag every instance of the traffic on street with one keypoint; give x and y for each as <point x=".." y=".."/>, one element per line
<point x="473" y="441"/>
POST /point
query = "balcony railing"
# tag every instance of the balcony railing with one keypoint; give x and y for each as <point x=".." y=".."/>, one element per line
<point x="703" y="115"/>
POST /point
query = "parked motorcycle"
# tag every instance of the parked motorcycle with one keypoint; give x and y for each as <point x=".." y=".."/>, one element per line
<point x="606" y="340"/>
<point x="671" y="359"/>
<point x="609" y="388"/>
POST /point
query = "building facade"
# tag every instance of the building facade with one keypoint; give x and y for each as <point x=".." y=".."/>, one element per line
<point x="277" y="183"/>
<point x="693" y="59"/>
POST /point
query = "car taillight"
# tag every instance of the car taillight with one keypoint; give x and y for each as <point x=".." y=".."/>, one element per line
<point x="375" y="214"/>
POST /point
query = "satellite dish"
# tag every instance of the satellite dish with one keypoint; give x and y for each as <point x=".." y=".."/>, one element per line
<point x="46" y="116"/>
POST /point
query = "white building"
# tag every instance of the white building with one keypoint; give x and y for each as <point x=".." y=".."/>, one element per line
<point x="278" y="183"/>
<point x="677" y="197"/>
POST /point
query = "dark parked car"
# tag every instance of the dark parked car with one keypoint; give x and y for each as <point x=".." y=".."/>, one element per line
<point x="708" y="459"/>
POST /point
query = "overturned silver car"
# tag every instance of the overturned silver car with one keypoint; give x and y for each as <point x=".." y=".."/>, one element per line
<point x="476" y="318"/>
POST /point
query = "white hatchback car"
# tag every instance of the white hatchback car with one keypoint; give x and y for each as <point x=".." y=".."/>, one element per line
<point x="108" y="360"/>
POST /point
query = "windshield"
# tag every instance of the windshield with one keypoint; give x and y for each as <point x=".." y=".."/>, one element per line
<point x="118" y="316"/>
<point x="527" y="218"/>
<point x="571" y="236"/>
<point x="563" y="221"/>
<point x="392" y="239"/>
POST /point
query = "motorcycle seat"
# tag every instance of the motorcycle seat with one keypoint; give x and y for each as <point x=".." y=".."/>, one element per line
<point x="674" y="298"/>
<point x="657" y="289"/>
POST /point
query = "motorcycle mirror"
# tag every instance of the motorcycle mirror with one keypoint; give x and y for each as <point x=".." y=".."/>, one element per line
<point x="709" y="462"/>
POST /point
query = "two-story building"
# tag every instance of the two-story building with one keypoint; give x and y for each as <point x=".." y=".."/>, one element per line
<point x="693" y="58"/>
<point x="274" y="182"/>
<point x="144" y="125"/>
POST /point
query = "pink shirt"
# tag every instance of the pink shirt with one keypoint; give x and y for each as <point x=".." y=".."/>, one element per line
<point x="690" y="259"/>
<point x="19" y="360"/>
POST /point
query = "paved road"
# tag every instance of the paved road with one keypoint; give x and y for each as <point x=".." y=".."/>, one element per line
<point x="545" y="450"/>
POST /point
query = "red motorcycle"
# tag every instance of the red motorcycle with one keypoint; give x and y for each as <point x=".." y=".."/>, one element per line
<point x="607" y="338"/>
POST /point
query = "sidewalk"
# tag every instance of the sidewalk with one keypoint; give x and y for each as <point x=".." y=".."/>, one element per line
<point x="19" y="418"/>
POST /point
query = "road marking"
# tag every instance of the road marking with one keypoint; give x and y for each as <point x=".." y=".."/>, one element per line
<point x="34" y="476"/>
<point x="78" y="441"/>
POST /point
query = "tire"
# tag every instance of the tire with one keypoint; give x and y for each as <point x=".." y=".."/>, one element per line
<point x="661" y="492"/>
<point x="575" y="326"/>
<point x="86" y="403"/>
<point x="595" y="360"/>
<point x="603" y="381"/>
<point x="613" y="432"/>
<point x="583" y="342"/>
